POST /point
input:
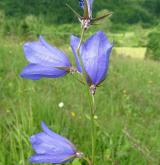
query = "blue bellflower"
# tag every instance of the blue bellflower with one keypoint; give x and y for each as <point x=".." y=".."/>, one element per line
<point x="45" y="61"/>
<point x="52" y="148"/>
<point x="81" y="3"/>
<point x="95" y="53"/>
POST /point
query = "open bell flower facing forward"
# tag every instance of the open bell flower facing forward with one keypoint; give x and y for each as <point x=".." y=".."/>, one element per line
<point x="52" y="148"/>
<point x="45" y="61"/>
<point x="95" y="53"/>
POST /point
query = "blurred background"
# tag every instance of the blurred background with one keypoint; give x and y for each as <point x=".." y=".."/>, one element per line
<point x="128" y="102"/>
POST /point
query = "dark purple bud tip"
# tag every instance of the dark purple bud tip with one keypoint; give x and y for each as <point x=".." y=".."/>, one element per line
<point x="81" y="3"/>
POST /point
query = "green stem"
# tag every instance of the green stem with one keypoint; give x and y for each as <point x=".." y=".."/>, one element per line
<point x="88" y="161"/>
<point x="93" y="135"/>
<point x="81" y="40"/>
<point x="80" y="58"/>
<point x="93" y="107"/>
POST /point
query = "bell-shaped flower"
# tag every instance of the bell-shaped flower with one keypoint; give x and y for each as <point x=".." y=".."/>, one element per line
<point x="95" y="53"/>
<point x="52" y="148"/>
<point x="45" y="61"/>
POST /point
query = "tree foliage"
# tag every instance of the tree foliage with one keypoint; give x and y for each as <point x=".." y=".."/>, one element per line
<point x="154" y="45"/>
<point x="55" y="11"/>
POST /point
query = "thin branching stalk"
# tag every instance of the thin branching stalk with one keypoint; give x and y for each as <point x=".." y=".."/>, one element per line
<point x="93" y="133"/>
<point x="88" y="161"/>
<point x="91" y="102"/>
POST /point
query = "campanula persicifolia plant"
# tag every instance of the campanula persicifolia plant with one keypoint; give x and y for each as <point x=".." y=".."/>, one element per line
<point x="92" y="61"/>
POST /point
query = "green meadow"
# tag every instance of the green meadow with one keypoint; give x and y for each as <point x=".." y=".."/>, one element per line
<point x="127" y="102"/>
<point x="128" y="116"/>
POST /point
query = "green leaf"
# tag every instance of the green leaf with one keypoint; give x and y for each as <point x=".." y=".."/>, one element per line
<point x="76" y="162"/>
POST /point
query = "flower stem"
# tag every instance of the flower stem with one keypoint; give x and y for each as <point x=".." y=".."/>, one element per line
<point x="92" y="104"/>
<point x="88" y="161"/>
<point x="93" y="135"/>
<point x="81" y="40"/>
<point x="78" y="52"/>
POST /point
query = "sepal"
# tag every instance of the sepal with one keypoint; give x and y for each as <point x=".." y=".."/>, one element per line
<point x="86" y="12"/>
<point x="94" y="20"/>
<point x="76" y="13"/>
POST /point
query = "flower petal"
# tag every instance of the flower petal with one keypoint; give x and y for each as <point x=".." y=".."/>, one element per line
<point x="51" y="148"/>
<point x="45" y="144"/>
<point x="48" y="142"/>
<point x="55" y="51"/>
<point x="56" y="136"/>
<point x="40" y="52"/>
<point x="50" y="159"/>
<point x="74" y="42"/>
<point x="95" y="54"/>
<point x="81" y="3"/>
<point x="36" y="71"/>
<point x="103" y="68"/>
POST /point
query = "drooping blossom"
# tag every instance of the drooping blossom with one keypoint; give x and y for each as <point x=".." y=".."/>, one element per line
<point x="95" y="53"/>
<point x="52" y="148"/>
<point x="44" y="61"/>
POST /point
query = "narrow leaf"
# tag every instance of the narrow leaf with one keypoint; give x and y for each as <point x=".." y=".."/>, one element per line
<point x="76" y="13"/>
<point x="101" y="17"/>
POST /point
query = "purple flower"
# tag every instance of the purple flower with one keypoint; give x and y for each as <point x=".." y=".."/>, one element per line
<point x="95" y="53"/>
<point x="52" y="148"/>
<point x="45" y="61"/>
<point x="81" y="3"/>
